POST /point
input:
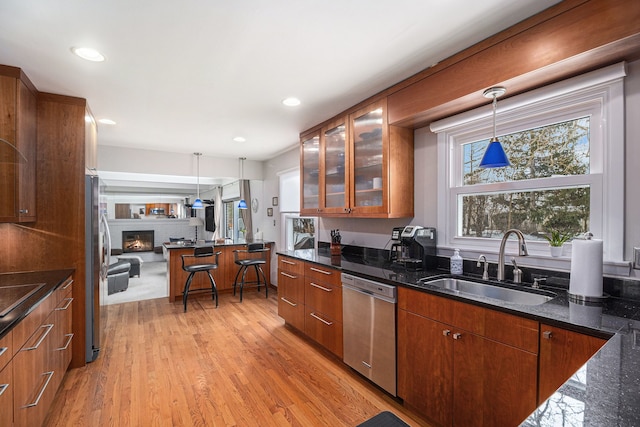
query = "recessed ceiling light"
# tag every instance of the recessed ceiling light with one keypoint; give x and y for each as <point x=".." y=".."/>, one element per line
<point x="291" y="102"/>
<point x="88" y="53"/>
<point x="107" y="122"/>
<point x="239" y="139"/>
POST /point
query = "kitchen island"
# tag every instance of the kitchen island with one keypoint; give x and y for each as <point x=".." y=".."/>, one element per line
<point x="224" y="275"/>
<point x="606" y="391"/>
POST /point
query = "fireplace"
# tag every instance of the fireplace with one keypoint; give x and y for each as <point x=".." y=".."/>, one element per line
<point x="137" y="241"/>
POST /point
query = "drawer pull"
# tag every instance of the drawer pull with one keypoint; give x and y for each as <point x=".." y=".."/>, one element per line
<point x="366" y="364"/>
<point x="3" y="349"/>
<point x="315" y="285"/>
<point x="284" y="261"/>
<point x="69" y="301"/>
<point x="67" y="284"/>
<point x="288" y="275"/>
<point x="66" y="346"/>
<point x="3" y="388"/>
<point x="547" y="335"/>
<point x="44" y="387"/>
<point x="320" y="319"/>
<point x="288" y="302"/>
<point x="328" y="273"/>
<point x="44" y="335"/>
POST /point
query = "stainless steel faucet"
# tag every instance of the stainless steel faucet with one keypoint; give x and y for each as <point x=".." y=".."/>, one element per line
<point x="485" y="273"/>
<point x="522" y="249"/>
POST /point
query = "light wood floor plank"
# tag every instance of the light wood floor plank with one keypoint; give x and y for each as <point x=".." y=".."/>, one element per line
<point x="237" y="365"/>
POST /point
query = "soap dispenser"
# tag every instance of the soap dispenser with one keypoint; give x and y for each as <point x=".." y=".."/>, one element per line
<point x="456" y="262"/>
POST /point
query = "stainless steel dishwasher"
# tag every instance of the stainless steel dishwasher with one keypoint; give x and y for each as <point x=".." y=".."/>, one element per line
<point x="369" y="329"/>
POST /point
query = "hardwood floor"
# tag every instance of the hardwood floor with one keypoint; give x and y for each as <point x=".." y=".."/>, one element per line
<point x="237" y="365"/>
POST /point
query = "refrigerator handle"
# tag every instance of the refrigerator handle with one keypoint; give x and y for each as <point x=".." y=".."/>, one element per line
<point x="106" y="248"/>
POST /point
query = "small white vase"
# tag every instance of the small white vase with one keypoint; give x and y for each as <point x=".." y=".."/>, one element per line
<point x="556" y="251"/>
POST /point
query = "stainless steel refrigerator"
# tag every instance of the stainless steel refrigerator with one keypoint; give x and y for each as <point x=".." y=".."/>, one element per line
<point x="97" y="253"/>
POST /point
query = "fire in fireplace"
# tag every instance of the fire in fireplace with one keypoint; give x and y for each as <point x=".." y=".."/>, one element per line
<point x="137" y="241"/>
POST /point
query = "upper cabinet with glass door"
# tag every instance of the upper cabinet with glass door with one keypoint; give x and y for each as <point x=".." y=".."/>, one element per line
<point x="335" y="161"/>
<point x="310" y="173"/>
<point x="381" y="165"/>
<point x="365" y="167"/>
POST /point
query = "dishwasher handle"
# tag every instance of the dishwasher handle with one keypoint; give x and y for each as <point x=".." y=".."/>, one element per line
<point x="364" y="292"/>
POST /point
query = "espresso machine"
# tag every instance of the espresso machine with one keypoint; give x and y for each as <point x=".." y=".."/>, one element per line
<point x="414" y="247"/>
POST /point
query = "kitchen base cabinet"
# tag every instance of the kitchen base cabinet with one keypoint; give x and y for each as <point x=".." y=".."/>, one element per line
<point x="562" y="353"/>
<point x="323" y="306"/>
<point x="6" y="395"/>
<point x="42" y="345"/>
<point x="461" y="365"/>
<point x="291" y="291"/>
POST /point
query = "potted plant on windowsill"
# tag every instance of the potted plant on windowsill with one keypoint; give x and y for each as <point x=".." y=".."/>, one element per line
<point x="556" y="241"/>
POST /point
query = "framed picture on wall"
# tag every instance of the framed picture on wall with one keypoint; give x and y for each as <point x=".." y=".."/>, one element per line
<point x="274" y="201"/>
<point x="269" y="211"/>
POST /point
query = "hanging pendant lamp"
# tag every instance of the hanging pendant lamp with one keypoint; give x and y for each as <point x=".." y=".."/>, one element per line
<point x="494" y="156"/>
<point x="198" y="203"/>
<point x="243" y="203"/>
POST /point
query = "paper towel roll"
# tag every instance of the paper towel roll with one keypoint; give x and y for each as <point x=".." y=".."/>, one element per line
<point x="586" y="268"/>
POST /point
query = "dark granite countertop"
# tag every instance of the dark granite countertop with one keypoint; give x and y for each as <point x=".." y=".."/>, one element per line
<point x="50" y="280"/>
<point x="606" y="391"/>
<point x="189" y="244"/>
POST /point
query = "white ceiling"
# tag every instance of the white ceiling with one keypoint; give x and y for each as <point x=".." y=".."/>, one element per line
<point x="186" y="76"/>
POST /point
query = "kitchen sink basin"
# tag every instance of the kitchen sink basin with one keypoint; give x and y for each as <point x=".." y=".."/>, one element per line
<point x="497" y="292"/>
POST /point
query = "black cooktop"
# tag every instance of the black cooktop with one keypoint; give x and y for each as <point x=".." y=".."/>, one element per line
<point x="12" y="296"/>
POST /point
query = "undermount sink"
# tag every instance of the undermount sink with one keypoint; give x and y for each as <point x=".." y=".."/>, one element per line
<point x="515" y="296"/>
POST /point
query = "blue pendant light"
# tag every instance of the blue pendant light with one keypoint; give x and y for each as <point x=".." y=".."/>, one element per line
<point x="494" y="156"/>
<point x="198" y="203"/>
<point x="243" y="203"/>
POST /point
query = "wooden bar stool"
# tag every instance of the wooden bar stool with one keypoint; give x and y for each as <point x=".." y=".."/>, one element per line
<point x="192" y="269"/>
<point x="254" y="256"/>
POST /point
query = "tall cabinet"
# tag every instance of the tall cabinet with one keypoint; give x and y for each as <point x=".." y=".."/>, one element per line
<point x="18" y="111"/>
<point x="357" y="165"/>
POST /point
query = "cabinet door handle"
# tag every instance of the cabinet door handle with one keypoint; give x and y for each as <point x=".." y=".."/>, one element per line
<point x="3" y="388"/>
<point x="457" y="336"/>
<point x="547" y="335"/>
<point x="66" y="346"/>
<point x="315" y="285"/>
<point x="66" y="284"/>
<point x="69" y="301"/>
<point x="366" y="364"/>
<point x="288" y="275"/>
<point x="446" y="332"/>
<point x="44" y="387"/>
<point x="44" y="335"/>
<point x="284" y="261"/>
<point x="24" y="211"/>
<point x="328" y="273"/>
<point x="288" y="302"/>
<point x="320" y="319"/>
<point x="3" y="349"/>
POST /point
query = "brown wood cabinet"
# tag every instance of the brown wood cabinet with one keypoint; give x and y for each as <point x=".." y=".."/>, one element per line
<point x="18" y="112"/>
<point x="6" y="380"/>
<point x="291" y="291"/>
<point x="358" y="166"/>
<point x="40" y="362"/>
<point x="6" y="395"/>
<point x="323" y="306"/>
<point x="310" y="299"/>
<point x="562" y="353"/>
<point x="460" y="364"/>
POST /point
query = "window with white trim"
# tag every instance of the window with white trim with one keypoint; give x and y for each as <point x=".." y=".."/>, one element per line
<point x="566" y="147"/>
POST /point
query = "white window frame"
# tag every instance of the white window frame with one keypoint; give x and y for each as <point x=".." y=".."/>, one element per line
<point x="599" y="95"/>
